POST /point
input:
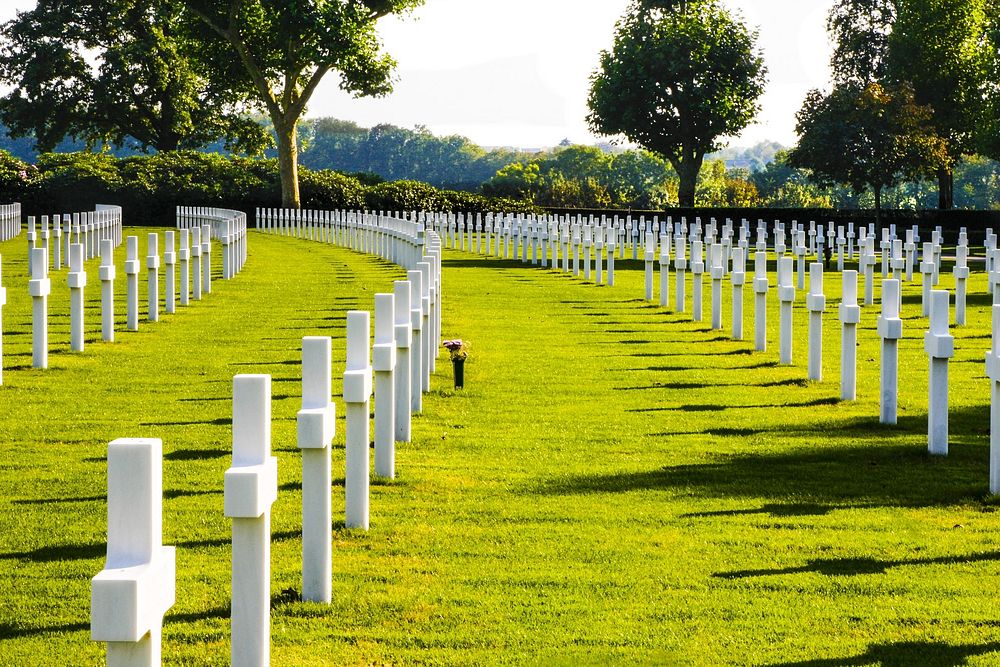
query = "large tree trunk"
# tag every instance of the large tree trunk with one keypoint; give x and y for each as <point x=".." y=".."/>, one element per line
<point x="687" y="173"/>
<point x="946" y="188"/>
<point x="288" y="162"/>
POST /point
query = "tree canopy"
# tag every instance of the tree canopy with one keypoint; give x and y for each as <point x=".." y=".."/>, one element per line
<point x="676" y="81"/>
<point x="274" y="55"/>
<point x="860" y="31"/>
<point x="941" y="49"/>
<point x="134" y="79"/>
<point x="867" y="137"/>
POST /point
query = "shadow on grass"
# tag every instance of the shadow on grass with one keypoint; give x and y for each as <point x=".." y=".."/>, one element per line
<point x="925" y="654"/>
<point x="677" y="369"/>
<point x="287" y="362"/>
<point x="830" y="400"/>
<point x="170" y="494"/>
<point x="485" y="262"/>
<point x="197" y="616"/>
<point x="789" y="382"/>
<point x="221" y="421"/>
<point x="874" y="473"/>
<point x="58" y="553"/>
<point x="47" y="501"/>
<point x="771" y="509"/>
<point x="688" y="353"/>
<point x="197" y="454"/>
<point x="845" y="567"/>
<point x="227" y="541"/>
<point x="9" y="631"/>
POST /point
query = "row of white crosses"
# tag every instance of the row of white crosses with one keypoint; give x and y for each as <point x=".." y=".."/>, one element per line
<point x="520" y="236"/>
<point x="388" y="235"/>
<point x="131" y="595"/>
<point x="88" y="229"/>
<point x="195" y="246"/>
<point x="897" y="259"/>
<point x="897" y="256"/>
<point x="10" y="221"/>
<point x="226" y="226"/>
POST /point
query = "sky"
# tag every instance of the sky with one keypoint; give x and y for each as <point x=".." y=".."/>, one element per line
<point x="516" y="72"/>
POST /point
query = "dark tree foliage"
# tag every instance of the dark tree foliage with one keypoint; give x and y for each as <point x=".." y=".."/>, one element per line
<point x="866" y="137"/>
<point x="114" y="72"/>
<point x="940" y="48"/>
<point x="860" y="31"/>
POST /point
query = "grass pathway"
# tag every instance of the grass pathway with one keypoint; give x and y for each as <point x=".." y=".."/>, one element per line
<point x="616" y="483"/>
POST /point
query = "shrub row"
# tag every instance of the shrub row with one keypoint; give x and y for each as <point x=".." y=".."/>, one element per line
<point x="148" y="187"/>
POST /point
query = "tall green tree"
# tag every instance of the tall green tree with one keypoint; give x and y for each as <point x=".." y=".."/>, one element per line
<point x="866" y="137"/>
<point x="114" y="72"/>
<point x="860" y="31"/>
<point x="989" y="131"/>
<point x="274" y="55"/>
<point x="679" y="77"/>
<point x="940" y="48"/>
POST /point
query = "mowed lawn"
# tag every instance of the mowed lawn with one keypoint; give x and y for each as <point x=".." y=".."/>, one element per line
<point x="616" y="484"/>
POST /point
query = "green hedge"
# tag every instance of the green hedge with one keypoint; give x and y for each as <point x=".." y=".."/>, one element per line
<point x="149" y="187"/>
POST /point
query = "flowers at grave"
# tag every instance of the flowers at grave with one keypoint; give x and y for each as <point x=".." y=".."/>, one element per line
<point x="458" y="348"/>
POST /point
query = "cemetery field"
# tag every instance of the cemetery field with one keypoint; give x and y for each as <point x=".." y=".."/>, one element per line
<point x="616" y="484"/>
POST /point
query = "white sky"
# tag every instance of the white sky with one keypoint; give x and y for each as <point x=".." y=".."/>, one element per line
<point x="515" y="72"/>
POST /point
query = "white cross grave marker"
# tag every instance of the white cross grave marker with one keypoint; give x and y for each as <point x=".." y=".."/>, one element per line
<point x="384" y="364"/>
<point x="132" y="282"/>
<point x="993" y="373"/>
<point x="890" y="329"/>
<point x="152" y="270"/>
<point x="196" y="263"/>
<point x="39" y="287"/>
<point x="184" y="255"/>
<point x="786" y="297"/>
<point x="77" y="280"/>
<point x="697" y="269"/>
<point x="107" y="274"/>
<point x="738" y="279"/>
<point x="816" y="304"/>
<point x="316" y="428"/>
<point x="850" y="317"/>
<point x="357" y="395"/>
<point x="940" y="347"/>
<point x="250" y="488"/>
<point x="129" y="597"/>
<point x="961" y="272"/>
<point x="404" y="367"/>
<point x="170" y="261"/>
<point x="760" y="288"/>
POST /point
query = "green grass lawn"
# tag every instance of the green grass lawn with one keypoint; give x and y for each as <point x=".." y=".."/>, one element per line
<point x="616" y="484"/>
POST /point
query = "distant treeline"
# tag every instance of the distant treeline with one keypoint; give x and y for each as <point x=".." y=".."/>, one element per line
<point x="393" y="153"/>
<point x="149" y="187"/>
<point x="591" y="177"/>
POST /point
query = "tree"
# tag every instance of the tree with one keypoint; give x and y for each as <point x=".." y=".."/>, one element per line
<point x="676" y="80"/>
<point x="131" y="79"/>
<point x="634" y="176"/>
<point x="988" y="140"/>
<point x="940" y="48"/>
<point x="860" y="30"/>
<point x="275" y="54"/>
<point x="866" y="137"/>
